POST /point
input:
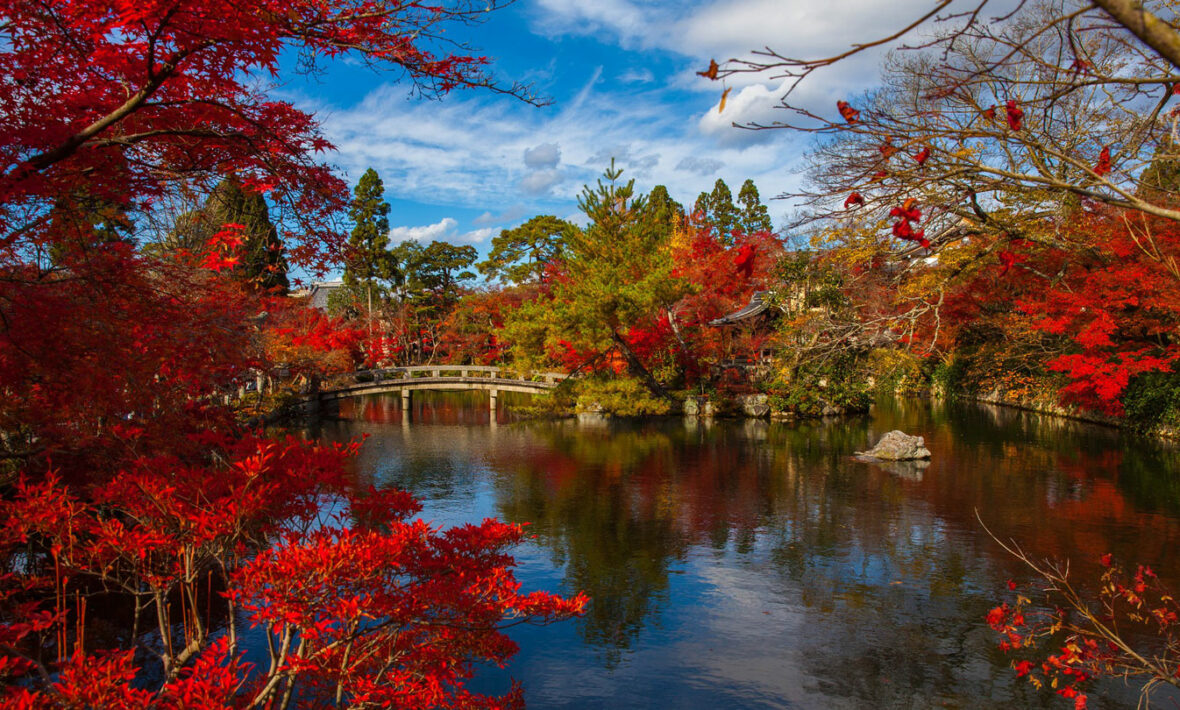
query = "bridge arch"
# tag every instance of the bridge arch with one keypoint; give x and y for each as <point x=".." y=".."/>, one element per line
<point x="443" y="377"/>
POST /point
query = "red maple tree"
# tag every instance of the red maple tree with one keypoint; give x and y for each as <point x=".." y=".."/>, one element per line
<point x="127" y="480"/>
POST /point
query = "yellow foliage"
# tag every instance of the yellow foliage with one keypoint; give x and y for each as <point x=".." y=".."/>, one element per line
<point x="680" y="241"/>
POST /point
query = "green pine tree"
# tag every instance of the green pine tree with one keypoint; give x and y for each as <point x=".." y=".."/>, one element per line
<point x="700" y="208"/>
<point x="263" y="265"/>
<point x="617" y="276"/>
<point x="441" y="267"/>
<point x="368" y="260"/>
<point x="722" y="213"/>
<point x="662" y="211"/>
<point x="717" y="210"/>
<point x="753" y="216"/>
<point x="519" y="255"/>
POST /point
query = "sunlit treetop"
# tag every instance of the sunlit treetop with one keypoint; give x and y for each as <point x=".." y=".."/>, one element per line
<point x="129" y="101"/>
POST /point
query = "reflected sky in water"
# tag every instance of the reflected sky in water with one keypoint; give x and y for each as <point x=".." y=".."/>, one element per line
<point x="748" y="564"/>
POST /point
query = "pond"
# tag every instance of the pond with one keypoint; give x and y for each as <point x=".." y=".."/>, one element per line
<point x="750" y="564"/>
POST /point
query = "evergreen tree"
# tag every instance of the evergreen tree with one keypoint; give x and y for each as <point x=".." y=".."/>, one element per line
<point x="263" y="265"/>
<point x="1160" y="180"/>
<point x="722" y="212"/>
<point x="700" y="208"/>
<point x="519" y="255"/>
<point x="662" y="211"/>
<point x="368" y="256"/>
<point x="618" y="276"/>
<point x="441" y="266"/>
<point x="85" y="222"/>
<point x="403" y="260"/>
<point x="717" y="210"/>
<point x="753" y="216"/>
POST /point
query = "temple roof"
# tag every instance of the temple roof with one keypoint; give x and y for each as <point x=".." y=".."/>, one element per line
<point x="756" y="307"/>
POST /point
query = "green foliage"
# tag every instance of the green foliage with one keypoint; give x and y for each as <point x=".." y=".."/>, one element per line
<point x="718" y="210"/>
<point x="343" y="303"/>
<point x="520" y="255"/>
<point x="1153" y="399"/>
<point x="1160" y="180"/>
<point x="753" y="215"/>
<point x="623" y="397"/>
<point x="84" y="221"/>
<point x="835" y="385"/>
<point x="805" y="282"/>
<point x="441" y="268"/>
<point x="262" y="262"/>
<point x="404" y="259"/>
<point x="368" y="258"/>
<point x="949" y="376"/>
<point x="617" y="274"/>
<point x="662" y="212"/>
<point x="434" y="274"/>
<point x="894" y="372"/>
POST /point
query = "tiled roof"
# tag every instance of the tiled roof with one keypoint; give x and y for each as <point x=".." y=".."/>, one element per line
<point x="754" y="308"/>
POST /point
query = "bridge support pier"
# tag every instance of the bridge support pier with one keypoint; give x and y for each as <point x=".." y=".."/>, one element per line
<point x="405" y="402"/>
<point x="492" y="400"/>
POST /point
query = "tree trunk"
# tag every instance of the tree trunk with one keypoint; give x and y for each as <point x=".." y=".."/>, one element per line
<point x="637" y="369"/>
<point x="1153" y="31"/>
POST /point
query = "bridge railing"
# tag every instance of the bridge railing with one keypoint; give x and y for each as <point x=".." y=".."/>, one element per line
<point x="479" y="372"/>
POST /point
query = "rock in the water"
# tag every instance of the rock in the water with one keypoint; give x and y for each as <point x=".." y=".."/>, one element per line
<point x="756" y="410"/>
<point x="898" y="446"/>
<point x="908" y="470"/>
<point x="754" y="405"/>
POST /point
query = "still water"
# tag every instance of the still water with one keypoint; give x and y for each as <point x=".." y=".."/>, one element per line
<point x="748" y="564"/>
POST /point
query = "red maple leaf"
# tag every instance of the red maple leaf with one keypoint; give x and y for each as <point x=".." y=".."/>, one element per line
<point x="1009" y="259"/>
<point x="744" y="260"/>
<point x="1103" y="166"/>
<point x="1015" y="115"/>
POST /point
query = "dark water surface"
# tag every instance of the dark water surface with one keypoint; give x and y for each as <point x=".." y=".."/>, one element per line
<point x="749" y="564"/>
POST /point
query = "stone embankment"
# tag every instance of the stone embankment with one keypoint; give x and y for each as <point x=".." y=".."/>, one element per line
<point x="755" y="406"/>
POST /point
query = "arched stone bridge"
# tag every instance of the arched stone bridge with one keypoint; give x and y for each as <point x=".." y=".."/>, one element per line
<point x="443" y="377"/>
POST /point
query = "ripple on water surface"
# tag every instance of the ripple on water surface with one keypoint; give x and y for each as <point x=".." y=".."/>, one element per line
<point x="756" y="565"/>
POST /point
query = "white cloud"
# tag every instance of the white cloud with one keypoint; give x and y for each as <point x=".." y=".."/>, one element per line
<point x="467" y="152"/>
<point x="637" y="76"/>
<point x="545" y="155"/>
<point x="723" y="29"/>
<point x="540" y="182"/>
<point x="425" y="233"/>
<point x="700" y="166"/>
<point x="512" y="214"/>
<point x="478" y="236"/>
<point x="444" y="230"/>
<point x="756" y="104"/>
<point x="619" y="17"/>
<point x="627" y="157"/>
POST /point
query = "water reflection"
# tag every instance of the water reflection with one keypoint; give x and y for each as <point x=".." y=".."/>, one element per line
<point x="759" y="565"/>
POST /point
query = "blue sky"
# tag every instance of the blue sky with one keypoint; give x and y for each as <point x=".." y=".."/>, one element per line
<point x="621" y="76"/>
